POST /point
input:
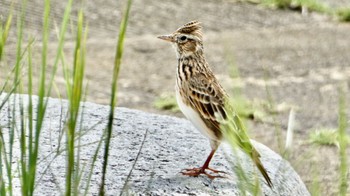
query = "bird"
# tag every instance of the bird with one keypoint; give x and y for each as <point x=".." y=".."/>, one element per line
<point x="203" y="100"/>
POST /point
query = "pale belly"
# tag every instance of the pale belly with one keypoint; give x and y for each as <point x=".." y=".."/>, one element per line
<point x="194" y="117"/>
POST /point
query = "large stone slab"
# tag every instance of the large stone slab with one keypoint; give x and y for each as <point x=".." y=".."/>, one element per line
<point x="165" y="146"/>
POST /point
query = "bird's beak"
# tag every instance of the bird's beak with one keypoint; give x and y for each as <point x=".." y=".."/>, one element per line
<point x="169" y="38"/>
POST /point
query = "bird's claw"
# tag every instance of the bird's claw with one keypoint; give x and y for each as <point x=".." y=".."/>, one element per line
<point x="195" y="172"/>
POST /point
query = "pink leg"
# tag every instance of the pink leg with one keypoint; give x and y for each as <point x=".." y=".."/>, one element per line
<point x="195" y="172"/>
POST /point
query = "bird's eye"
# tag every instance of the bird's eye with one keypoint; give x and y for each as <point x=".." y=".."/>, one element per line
<point x="183" y="38"/>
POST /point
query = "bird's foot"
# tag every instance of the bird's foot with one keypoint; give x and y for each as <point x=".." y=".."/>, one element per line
<point x="195" y="172"/>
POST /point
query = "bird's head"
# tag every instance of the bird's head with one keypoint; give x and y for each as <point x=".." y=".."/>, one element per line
<point x="187" y="40"/>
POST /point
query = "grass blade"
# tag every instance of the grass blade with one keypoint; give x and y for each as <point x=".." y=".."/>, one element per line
<point x="343" y="182"/>
<point x="41" y="107"/>
<point x="4" y="33"/>
<point x="113" y="103"/>
<point x="74" y="104"/>
<point x="133" y="165"/>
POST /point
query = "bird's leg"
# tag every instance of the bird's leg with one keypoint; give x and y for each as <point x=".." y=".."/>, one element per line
<point x="195" y="172"/>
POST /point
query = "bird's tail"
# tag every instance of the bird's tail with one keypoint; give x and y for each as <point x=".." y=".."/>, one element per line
<point x="256" y="159"/>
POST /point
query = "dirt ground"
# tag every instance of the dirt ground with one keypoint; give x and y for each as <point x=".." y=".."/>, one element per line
<point x="296" y="60"/>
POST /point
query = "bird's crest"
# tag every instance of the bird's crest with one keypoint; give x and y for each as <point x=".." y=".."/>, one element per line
<point x="193" y="28"/>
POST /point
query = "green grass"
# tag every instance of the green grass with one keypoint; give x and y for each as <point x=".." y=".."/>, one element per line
<point x="342" y="14"/>
<point x="114" y="88"/>
<point x="166" y="102"/>
<point x="343" y="141"/>
<point x="326" y="136"/>
<point x="75" y="89"/>
<point x="27" y="131"/>
<point x="311" y="5"/>
<point x="4" y="31"/>
<point x="276" y="3"/>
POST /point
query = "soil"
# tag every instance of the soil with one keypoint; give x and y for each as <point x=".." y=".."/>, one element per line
<point x="283" y="57"/>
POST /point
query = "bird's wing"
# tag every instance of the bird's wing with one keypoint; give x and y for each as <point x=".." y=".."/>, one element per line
<point x="207" y="97"/>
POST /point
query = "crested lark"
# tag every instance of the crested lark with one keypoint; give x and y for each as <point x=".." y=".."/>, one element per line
<point x="202" y="99"/>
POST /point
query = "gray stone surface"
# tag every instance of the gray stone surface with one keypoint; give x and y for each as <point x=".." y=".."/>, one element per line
<point x="169" y="145"/>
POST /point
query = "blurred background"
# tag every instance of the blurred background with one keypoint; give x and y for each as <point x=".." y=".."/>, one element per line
<point x="271" y="56"/>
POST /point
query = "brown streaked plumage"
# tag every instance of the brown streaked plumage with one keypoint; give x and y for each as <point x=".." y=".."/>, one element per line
<point x="203" y="101"/>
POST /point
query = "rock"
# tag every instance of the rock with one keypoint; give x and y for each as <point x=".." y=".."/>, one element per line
<point x="166" y="145"/>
